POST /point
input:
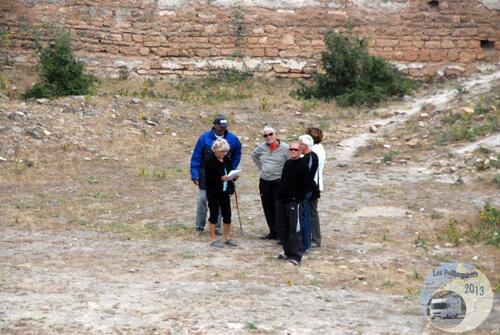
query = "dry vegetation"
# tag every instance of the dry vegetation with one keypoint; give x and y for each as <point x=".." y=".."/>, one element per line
<point x="98" y="187"/>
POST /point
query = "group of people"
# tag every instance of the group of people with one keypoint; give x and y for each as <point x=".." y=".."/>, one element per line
<point x="290" y="184"/>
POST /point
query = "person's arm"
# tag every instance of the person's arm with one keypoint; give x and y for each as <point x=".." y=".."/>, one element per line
<point x="196" y="160"/>
<point x="315" y="164"/>
<point x="235" y="153"/>
<point x="256" y="158"/>
<point x="303" y="180"/>
<point x="211" y="174"/>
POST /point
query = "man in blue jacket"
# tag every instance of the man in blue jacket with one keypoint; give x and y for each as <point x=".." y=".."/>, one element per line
<point x="201" y="151"/>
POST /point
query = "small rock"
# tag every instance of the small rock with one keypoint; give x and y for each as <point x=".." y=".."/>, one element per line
<point x="428" y="108"/>
<point x="33" y="132"/>
<point x="46" y="132"/>
<point x="467" y="110"/>
<point x="135" y="101"/>
<point x="90" y="112"/>
<point x="42" y="101"/>
<point x="448" y="245"/>
<point x="373" y="129"/>
<point x="475" y="258"/>
<point x="151" y="123"/>
<point x="342" y="164"/>
<point x="413" y="143"/>
<point x="387" y="146"/>
<point x="492" y="109"/>
<point x="174" y="134"/>
<point x="437" y="247"/>
<point x="2" y="159"/>
<point x="424" y="116"/>
<point x="16" y="116"/>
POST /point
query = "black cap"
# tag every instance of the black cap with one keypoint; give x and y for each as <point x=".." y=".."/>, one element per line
<point x="221" y="120"/>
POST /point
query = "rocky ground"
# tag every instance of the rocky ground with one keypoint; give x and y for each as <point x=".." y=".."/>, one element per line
<point x="97" y="212"/>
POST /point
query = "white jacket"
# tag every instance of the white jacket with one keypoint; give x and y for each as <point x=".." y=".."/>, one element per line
<point x="320" y="151"/>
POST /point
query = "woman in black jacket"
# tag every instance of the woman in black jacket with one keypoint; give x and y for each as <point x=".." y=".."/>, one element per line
<point x="218" y="187"/>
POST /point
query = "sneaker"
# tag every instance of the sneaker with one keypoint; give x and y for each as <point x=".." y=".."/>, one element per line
<point x="294" y="262"/>
<point x="315" y="245"/>
<point x="231" y="243"/>
<point x="217" y="244"/>
<point x="282" y="256"/>
<point x="269" y="236"/>
<point x="199" y="231"/>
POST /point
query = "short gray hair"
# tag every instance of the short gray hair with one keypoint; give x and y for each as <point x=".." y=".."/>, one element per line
<point x="307" y="140"/>
<point x="267" y="129"/>
<point x="220" y="144"/>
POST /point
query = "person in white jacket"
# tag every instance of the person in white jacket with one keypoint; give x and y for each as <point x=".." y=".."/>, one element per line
<point x="317" y="148"/>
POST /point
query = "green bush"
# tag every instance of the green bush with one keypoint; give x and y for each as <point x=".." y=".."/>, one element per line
<point x="61" y="74"/>
<point x="488" y="228"/>
<point x="352" y="76"/>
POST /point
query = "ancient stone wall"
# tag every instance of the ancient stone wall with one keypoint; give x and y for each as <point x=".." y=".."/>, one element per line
<point x="274" y="38"/>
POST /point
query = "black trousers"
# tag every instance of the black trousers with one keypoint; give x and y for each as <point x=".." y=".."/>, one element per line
<point x="289" y="229"/>
<point x="221" y="202"/>
<point x="316" y="231"/>
<point x="269" y="198"/>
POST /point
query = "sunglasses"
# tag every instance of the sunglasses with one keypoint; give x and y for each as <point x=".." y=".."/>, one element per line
<point x="268" y="135"/>
<point x="293" y="149"/>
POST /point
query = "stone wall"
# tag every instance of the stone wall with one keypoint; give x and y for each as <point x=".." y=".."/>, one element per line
<point x="272" y="38"/>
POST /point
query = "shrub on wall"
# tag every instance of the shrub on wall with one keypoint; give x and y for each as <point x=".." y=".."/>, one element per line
<point x="61" y="73"/>
<point x="352" y="76"/>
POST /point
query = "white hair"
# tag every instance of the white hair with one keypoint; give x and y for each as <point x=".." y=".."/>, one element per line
<point x="307" y="140"/>
<point x="220" y="144"/>
<point x="268" y="129"/>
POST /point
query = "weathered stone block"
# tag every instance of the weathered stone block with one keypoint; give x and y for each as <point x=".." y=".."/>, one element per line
<point x="280" y="68"/>
<point x="387" y="43"/>
<point x="467" y="57"/>
<point x="447" y="44"/>
<point x="288" y="39"/>
<point x="433" y="45"/>
<point x="453" y="55"/>
<point x="424" y="55"/>
<point x="202" y="52"/>
<point x="210" y="29"/>
<point x="271" y="52"/>
<point x="288" y="53"/>
<point x="437" y="55"/>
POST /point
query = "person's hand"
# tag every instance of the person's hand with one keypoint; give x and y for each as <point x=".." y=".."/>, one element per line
<point x="224" y="178"/>
<point x="196" y="182"/>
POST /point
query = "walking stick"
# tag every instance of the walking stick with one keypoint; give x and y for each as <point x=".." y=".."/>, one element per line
<point x="238" y="210"/>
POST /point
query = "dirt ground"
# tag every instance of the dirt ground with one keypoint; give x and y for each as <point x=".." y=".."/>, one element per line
<point x="97" y="216"/>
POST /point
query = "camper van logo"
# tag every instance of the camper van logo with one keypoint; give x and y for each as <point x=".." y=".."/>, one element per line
<point x="456" y="297"/>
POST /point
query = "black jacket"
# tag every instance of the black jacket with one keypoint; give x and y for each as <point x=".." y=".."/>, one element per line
<point x="294" y="181"/>
<point x="214" y="170"/>
<point x="312" y="162"/>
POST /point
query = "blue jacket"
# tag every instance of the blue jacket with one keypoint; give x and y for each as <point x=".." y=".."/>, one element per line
<point x="204" y="147"/>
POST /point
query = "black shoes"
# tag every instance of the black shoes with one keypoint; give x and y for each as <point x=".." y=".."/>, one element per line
<point x="269" y="236"/>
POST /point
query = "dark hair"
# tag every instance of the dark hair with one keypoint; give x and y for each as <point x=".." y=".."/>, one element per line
<point x="315" y="133"/>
